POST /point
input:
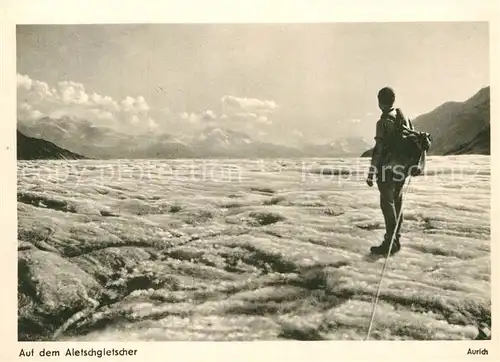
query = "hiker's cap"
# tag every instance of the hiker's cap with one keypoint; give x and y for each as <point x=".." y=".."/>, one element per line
<point x="386" y="96"/>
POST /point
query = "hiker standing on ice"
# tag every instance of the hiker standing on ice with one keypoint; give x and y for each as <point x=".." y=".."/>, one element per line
<point x="388" y="167"/>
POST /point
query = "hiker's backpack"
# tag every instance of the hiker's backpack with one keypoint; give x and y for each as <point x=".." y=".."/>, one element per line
<point x="410" y="145"/>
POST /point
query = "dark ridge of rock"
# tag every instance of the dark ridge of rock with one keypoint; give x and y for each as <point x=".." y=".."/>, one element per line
<point x="480" y="145"/>
<point x="454" y="126"/>
<point x="29" y="148"/>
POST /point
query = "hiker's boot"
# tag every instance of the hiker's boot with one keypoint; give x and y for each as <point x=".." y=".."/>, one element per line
<point x="383" y="248"/>
<point x="379" y="250"/>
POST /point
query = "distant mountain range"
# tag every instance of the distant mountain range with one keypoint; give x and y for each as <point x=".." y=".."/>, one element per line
<point x="457" y="127"/>
<point x="36" y="149"/>
<point x="82" y="137"/>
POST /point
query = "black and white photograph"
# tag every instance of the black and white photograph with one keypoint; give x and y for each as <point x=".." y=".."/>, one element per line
<point x="322" y="181"/>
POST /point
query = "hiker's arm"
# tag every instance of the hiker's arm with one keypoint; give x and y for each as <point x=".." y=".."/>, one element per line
<point x="377" y="150"/>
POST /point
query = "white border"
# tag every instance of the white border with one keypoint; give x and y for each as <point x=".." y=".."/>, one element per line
<point x="92" y="11"/>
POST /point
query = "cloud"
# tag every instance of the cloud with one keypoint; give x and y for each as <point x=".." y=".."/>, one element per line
<point x="26" y="111"/>
<point x="242" y="113"/>
<point x="251" y="105"/>
<point x="105" y="102"/>
<point x="23" y="81"/>
<point x="37" y="99"/>
<point x="246" y="116"/>
<point x="263" y="119"/>
<point x="73" y="93"/>
<point x="248" y="109"/>
<point x="190" y="117"/>
<point x="355" y="121"/>
<point x="197" y="118"/>
<point x="32" y="91"/>
<point x="208" y="116"/>
<point x="138" y="104"/>
<point x="251" y="117"/>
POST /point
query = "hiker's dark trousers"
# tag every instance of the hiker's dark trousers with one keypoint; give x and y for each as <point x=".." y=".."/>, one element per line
<point x="391" y="199"/>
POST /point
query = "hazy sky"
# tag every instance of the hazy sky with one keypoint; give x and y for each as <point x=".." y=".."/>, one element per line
<point x="282" y="82"/>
